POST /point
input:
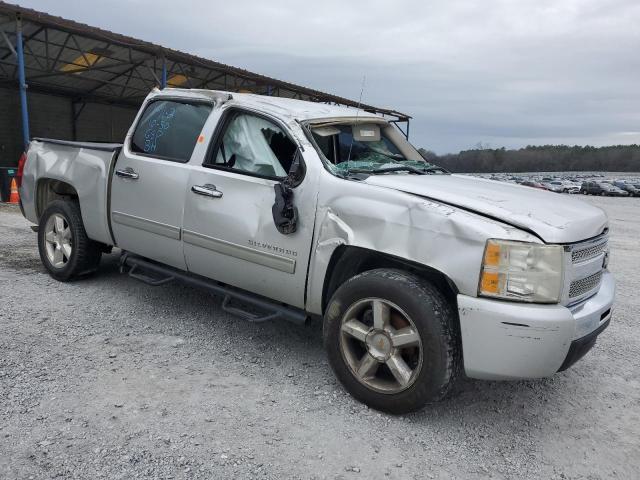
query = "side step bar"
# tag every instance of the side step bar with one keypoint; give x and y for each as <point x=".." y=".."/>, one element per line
<point x="155" y="274"/>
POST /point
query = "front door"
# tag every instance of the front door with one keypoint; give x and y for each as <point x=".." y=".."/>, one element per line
<point x="229" y="231"/>
<point x="150" y="179"/>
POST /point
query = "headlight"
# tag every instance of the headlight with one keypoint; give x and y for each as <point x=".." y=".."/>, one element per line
<point x="526" y="272"/>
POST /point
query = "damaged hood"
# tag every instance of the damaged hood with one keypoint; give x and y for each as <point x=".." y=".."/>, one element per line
<point x="555" y="218"/>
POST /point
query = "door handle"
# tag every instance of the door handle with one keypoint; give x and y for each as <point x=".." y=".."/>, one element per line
<point x="207" y="190"/>
<point x="127" y="173"/>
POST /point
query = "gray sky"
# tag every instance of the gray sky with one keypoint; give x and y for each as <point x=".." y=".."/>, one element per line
<point x="500" y="72"/>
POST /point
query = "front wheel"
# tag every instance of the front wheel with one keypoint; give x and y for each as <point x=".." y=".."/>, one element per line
<point x="392" y="340"/>
<point x="65" y="249"/>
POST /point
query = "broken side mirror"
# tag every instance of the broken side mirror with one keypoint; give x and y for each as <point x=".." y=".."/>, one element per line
<point x="296" y="171"/>
<point x="285" y="213"/>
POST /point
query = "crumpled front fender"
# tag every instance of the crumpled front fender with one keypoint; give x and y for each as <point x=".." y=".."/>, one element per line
<point x="439" y="236"/>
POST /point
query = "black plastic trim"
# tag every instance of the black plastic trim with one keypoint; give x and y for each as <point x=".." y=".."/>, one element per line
<point x="580" y="347"/>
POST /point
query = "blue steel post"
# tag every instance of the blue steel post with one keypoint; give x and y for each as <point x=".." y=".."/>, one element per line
<point x="163" y="79"/>
<point x="23" y="85"/>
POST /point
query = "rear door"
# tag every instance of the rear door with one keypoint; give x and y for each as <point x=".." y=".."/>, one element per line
<point x="150" y="177"/>
<point x="229" y="229"/>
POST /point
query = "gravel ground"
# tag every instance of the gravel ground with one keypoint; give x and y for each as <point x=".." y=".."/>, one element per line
<point x="110" y="378"/>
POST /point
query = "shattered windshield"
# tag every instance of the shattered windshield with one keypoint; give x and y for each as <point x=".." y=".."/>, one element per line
<point x="362" y="148"/>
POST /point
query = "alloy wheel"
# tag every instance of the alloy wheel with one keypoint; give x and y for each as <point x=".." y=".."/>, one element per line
<point x="381" y="345"/>
<point x="57" y="237"/>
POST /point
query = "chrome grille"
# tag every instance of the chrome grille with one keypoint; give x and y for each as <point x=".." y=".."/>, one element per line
<point x="583" y="254"/>
<point x="584" y="285"/>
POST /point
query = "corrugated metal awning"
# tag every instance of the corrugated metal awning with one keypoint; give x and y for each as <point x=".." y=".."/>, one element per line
<point x="91" y="64"/>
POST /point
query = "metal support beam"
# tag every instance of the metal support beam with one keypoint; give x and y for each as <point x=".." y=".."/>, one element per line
<point x="26" y="40"/>
<point x="22" y="84"/>
<point x="75" y="113"/>
<point x="153" y="74"/>
<point x="163" y="78"/>
<point x="8" y="42"/>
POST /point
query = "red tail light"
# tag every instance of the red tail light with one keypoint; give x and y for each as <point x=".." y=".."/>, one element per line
<point x="21" y="162"/>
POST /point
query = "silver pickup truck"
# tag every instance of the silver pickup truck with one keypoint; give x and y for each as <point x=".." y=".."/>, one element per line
<point x="292" y="209"/>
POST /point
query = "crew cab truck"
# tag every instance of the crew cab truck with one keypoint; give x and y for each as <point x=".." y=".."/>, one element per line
<point x="292" y="209"/>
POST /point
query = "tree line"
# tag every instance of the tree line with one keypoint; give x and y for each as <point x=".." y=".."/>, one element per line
<point x="544" y="158"/>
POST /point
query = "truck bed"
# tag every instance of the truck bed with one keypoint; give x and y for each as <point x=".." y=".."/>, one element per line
<point x="83" y="167"/>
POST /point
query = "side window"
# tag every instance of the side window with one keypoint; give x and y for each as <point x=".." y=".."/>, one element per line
<point x="255" y="145"/>
<point x="169" y="129"/>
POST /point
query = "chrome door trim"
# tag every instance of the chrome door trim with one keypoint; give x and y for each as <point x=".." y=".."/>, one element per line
<point x="271" y="260"/>
<point x="147" y="225"/>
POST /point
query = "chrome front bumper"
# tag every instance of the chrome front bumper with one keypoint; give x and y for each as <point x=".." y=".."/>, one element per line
<point x="506" y="340"/>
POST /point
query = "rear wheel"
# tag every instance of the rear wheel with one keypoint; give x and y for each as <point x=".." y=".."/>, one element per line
<point x="392" y="340"/>
<point x="65" y="250"/>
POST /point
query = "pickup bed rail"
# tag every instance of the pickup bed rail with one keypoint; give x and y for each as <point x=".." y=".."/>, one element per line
<point x="102" y="146"/>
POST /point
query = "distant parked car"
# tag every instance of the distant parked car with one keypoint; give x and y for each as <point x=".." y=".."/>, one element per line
<point x="570" y="187"/>
<point x="617" y="192"/>
<point x="560" y="186"/>
<point x="592" y="188"/>
<point x="631" y="189"/>
<point x="554" y="186"/>
<point x="602" y="188"/>
<point x="534" y="185"/>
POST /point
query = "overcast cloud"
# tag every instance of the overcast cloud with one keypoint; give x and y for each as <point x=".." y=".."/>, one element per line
<point x="500" y="72"/>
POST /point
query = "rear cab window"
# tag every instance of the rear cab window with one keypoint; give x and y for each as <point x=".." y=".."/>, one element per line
<point x="169" y="129"/>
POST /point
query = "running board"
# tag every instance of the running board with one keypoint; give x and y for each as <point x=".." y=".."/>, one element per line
<point x="154" y="282"/>
<point x="155" y="274"/>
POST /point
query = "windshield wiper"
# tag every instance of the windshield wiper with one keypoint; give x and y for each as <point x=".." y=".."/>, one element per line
<point x="436" y="169"/>
<point x="399" y="168"/>
<point x="403" y="168"/>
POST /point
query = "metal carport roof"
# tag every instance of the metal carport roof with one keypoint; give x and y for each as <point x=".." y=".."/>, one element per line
<point x="90" y="64"/>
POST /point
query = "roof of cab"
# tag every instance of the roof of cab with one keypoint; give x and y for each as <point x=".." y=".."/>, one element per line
<point x="285" y="108"/>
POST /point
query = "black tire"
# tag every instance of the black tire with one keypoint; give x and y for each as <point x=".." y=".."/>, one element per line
<point x="85" y="253"/>
<point x="434" y="318"/>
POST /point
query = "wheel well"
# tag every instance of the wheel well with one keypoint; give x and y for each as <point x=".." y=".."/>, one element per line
<point x="49" y="190"/>
<point x="348" y="261"/>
